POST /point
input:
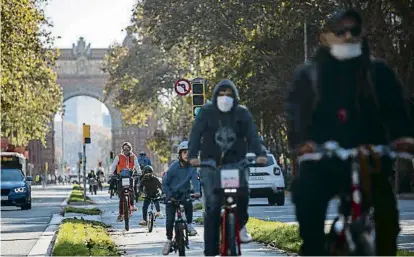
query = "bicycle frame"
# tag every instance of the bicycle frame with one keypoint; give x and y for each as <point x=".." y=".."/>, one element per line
<point x="126" y="194"/>
<point x="179" y="225"/>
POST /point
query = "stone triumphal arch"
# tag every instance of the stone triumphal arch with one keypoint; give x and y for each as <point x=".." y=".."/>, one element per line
<point x="80" y="74"/>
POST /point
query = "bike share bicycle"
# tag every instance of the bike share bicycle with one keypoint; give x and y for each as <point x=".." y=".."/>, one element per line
<point x="230" y="188"/>
<point x="126" y="195"/>
<point x="180" y="240"/>
<point x="353" y="231"/>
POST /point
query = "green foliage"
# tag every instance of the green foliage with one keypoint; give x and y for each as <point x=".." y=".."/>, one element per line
<point x="257" y="44"/>
<point x="77" y="196"/>
<point x="92" y="211"/>
<point x="77" y="237"/>
<point x="29" y="94"/>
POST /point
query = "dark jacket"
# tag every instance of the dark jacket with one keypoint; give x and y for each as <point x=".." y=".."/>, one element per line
<point x="368" y="92"/>
<point x="176" y="181"/>
<point x="213" y="129"/>
<point x="150" y="185"/>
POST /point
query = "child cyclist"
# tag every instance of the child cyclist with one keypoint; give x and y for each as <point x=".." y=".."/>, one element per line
<point x="176" y="185"/>
<point x="151" y="187"/>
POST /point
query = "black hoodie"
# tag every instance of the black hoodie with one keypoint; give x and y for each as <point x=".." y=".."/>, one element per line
<point x="366" y="89"/>
<point x="232" y="133"/>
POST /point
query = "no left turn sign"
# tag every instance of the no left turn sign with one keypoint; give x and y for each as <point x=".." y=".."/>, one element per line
<point x="182" y="87"/>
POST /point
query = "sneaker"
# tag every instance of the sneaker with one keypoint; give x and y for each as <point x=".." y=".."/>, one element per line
<point x="167" y="248"/>
<point x="120" y="218"/>
<point x="159" y="215"/>
<point x="133" y="208"/>
<point x="143" y="223"/>
<point x="244" y="236"/>
<point x="191" y="230"/>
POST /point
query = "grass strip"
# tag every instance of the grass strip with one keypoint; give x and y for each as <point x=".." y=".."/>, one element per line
<point x="93" y="211"/>
<point x="77" y="237"/>
<point x="77" y="196"/>
<point x="197" y="206"/>
<point x="77" y="187"/>
<point x="281" y="235"/>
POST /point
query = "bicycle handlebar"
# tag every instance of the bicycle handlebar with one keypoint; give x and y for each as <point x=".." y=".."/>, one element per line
<point x="191" y="199"/>
<point x="332" y="149"/>
<point x="212" y="164"/>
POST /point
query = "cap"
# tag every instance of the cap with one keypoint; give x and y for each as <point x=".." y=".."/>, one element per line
<point x="332" y="21"/>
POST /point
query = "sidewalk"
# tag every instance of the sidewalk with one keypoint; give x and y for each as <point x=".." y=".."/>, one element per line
<point x="138" y="242"/>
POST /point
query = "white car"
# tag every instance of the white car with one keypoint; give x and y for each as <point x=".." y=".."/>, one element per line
<point x="267" y="181"/>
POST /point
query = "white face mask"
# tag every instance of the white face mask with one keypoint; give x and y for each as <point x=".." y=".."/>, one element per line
<point x="224" y="103"/>
<point x="346" y="50"/>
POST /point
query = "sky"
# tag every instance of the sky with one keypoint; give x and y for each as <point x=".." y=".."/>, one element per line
<point x="99" y="22"/>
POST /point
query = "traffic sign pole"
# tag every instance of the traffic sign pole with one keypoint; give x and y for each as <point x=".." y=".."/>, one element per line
<point x="182" y="87"/>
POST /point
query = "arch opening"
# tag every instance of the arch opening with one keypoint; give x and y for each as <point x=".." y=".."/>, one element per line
<point x="79" y="109"/>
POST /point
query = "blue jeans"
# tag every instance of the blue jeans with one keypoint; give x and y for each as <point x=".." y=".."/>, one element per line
<point x="210" y="180"/>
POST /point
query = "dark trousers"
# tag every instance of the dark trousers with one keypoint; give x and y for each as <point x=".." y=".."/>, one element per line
<point x="210" y="180"/>
<point x="170" y="210"/>
<point x="318" y="183"/>
<point x="146" y="205"/>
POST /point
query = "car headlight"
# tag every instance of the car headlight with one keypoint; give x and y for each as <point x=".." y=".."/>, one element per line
<point x="276" y="171"/>
<point x="20" y="190"/>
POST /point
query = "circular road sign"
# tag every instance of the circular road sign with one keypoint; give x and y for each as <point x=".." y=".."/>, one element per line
<point x="182" y="87"/>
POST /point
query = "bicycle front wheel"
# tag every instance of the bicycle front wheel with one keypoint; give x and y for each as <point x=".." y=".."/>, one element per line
<point x="126" y="212"/>
<point x="180" y="239"/>
<point x="150" y="221"/>
<point x="231" y="235"/>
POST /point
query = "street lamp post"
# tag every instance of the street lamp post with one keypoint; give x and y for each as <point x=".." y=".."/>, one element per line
<point x="63" y="149"/>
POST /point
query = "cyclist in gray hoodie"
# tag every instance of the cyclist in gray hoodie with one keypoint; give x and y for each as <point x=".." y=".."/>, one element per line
<point x="223" y="131"/>
<point x="176" y="184"/>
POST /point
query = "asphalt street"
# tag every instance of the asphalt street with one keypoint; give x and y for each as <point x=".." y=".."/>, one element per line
<point x="21" y="229"/>
<point x="258" y="208"/>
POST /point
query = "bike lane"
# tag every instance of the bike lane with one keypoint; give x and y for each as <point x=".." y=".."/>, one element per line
<point x="137" y="241"/>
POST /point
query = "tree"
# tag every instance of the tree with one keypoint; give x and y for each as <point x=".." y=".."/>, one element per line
<point x="257" y="44"/>
<point x="29" y="94"/>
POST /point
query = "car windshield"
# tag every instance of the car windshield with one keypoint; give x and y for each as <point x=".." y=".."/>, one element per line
<point x="11" y="175"/>
<point x="269" y="160"/>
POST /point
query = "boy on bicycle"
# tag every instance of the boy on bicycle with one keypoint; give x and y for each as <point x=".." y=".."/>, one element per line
<point x="151" y="187"/>
<point x="176" y="185"/>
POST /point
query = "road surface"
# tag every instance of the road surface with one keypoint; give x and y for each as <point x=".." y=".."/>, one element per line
<point x="20" y="229"/>
<point x="138" y="242"/>
<point x="258" y="208"/>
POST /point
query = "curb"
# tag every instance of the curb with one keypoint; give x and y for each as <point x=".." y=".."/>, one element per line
<point x="65" y="202"/>
<point x="44" y="245"/>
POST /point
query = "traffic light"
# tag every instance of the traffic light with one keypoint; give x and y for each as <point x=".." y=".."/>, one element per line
<point x="199" y="95"/>
<point x="86" y="134"/>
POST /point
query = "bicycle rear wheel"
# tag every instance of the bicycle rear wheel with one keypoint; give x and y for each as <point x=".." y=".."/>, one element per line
<point x="126" y="212"/>
<point x="150" y="221"/>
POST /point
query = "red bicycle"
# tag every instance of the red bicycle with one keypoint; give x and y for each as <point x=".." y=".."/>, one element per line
<point x="230" y="187"/>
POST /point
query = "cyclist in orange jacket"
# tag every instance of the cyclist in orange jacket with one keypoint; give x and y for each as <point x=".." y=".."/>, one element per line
<point x="126" y="160"/>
